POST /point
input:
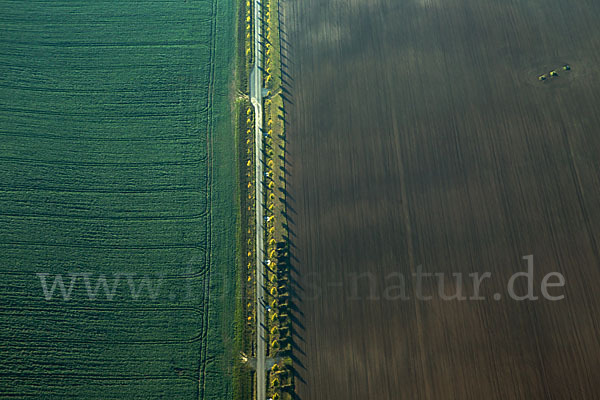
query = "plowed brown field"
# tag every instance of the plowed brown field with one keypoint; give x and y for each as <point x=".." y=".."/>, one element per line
<point x="419" y="134"/>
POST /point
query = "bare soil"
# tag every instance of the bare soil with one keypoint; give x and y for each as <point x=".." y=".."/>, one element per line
<point x="418" y="134"/>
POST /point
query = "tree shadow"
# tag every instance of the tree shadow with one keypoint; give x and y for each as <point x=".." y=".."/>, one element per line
<point x="296" y="290"/>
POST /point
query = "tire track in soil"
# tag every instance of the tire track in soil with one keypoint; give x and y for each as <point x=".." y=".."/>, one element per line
<point x="208" y="231"/>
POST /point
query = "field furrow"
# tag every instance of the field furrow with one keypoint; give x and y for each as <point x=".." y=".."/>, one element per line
<point x="117" y="199"/>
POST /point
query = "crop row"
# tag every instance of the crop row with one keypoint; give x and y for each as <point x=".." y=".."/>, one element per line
<point x="107" y="111"/>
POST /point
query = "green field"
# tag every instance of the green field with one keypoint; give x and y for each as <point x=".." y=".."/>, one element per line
<point x="117" y="162"/>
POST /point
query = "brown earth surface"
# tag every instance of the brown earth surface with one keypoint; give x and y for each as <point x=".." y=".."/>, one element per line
<point x="418" y="134"/>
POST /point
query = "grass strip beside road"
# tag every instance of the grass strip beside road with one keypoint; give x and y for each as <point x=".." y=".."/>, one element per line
<point x="243" y="387"/>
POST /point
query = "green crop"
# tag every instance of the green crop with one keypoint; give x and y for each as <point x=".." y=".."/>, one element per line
<point x="115" y="156"/>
